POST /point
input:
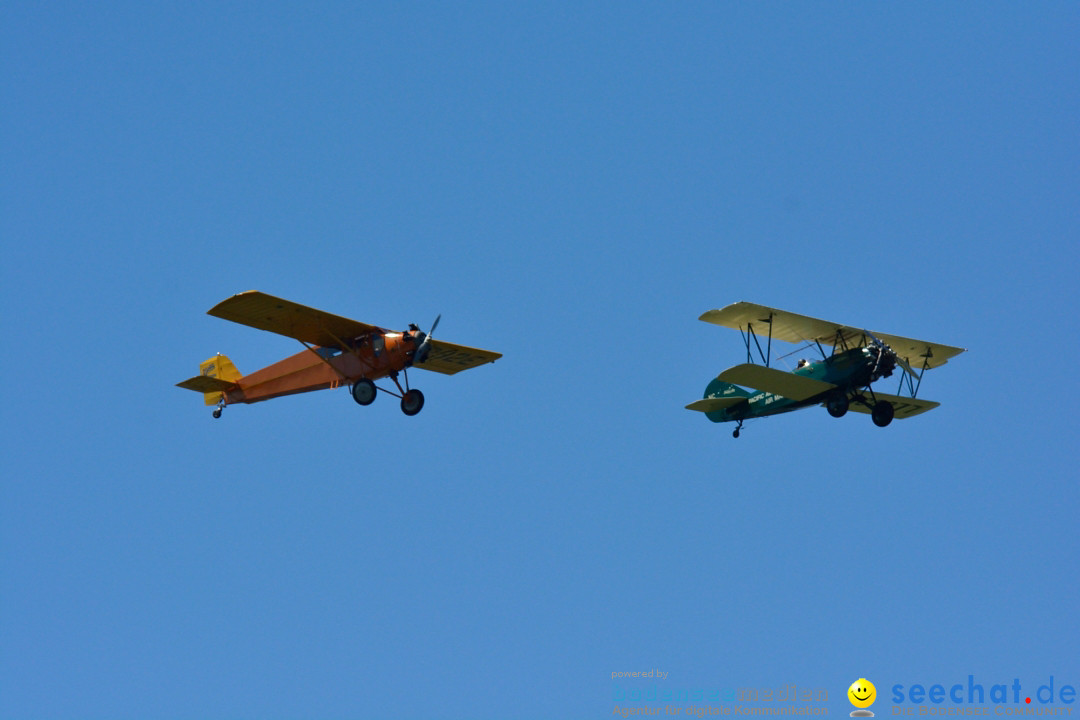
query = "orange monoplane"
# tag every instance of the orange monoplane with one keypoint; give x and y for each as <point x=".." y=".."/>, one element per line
<point x="338" y="352"/>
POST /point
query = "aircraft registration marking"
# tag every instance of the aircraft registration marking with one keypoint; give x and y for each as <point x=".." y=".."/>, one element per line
<point x="457" y="357"/>
<point x="765" y="398"/>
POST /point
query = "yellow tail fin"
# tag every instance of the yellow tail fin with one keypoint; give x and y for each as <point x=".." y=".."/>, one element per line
<point x="222" y="368"/>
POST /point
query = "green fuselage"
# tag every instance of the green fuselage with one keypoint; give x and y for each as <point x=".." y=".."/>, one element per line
<point x="849" y="370"/>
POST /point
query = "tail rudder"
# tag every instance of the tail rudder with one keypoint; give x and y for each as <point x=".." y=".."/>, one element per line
<point x="220" y="366"/>
<point x="216" y="376"/>
<point x="723" y="401"/>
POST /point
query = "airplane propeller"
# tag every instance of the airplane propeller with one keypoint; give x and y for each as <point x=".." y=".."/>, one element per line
<point x="424" y="339"/>
<point x="899" y="360"/>
<point x="882" y="349"/>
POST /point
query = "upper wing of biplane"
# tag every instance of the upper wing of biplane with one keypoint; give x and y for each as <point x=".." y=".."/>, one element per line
<point x="777" y="382"/>
<point x="290" y="319"/>
<point x="448" y="358"/>
<point x="795" y="328"/>
<point x="919" y="352"/>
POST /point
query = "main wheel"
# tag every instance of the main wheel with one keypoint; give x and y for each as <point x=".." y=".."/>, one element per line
<point x="837" y="405"/>
<point x="882" y="414"/>
<point x="363" y="391"/>
<point x="412" y="402"/>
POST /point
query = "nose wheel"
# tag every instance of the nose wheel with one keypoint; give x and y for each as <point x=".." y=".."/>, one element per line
<point x="735" y="434"/>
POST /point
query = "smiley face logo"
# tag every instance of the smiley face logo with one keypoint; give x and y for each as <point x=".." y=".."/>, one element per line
<point x="862" y="693"/>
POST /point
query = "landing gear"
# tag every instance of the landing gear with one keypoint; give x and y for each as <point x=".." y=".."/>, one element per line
<point x="882" y="413"/>
<point x="363" y="391"/>
<point x="837" y="405"/>
<point x="218" y="409"/>
<point x="412" y="402"/>
<point x="735" y="434"/>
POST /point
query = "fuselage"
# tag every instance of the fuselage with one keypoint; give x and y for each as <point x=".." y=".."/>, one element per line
<point x="849" y="370"/>
<point x="372" y="356"/>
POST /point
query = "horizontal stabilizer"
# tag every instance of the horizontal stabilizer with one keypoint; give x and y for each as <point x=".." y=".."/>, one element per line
<point x="448" y="358"/>
<point x="207" y="384"/>
<point x="708" y="405"/>
<point x="777" y="382"/>
<point x="903" y="407"/>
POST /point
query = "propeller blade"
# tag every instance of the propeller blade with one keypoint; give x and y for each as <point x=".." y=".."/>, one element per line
<point x="422" y="350"/>
<point x="882" y="349"/>
<point x="906" y="367"/>
<point x="900" y="361"/>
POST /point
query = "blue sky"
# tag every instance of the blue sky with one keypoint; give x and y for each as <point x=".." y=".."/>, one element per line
<point x="571" y="185"/>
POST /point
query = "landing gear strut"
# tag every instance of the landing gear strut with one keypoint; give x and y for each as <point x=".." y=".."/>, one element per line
<point x="412" y="400"/>
<point x="735" y="434"/>
<point x="218" y="409"/>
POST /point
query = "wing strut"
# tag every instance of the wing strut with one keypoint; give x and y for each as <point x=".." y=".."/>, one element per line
<point x="765" y="356"/>
<point x="343" y="345"/>
<point x="349" y="348"/>
<point x="914" y="388"/>
<point x="839" y="341"/>
<point x="328" y="363"/>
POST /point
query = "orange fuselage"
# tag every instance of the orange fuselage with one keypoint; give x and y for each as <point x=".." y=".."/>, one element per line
<point x="320" y="368"/>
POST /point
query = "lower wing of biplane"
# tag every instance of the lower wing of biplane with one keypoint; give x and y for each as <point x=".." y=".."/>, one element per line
<point x="840" y="381"/>
<point x="338" y="351"/>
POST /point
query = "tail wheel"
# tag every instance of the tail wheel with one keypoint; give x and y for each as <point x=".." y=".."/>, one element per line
<point x="837" y="405"/>
<point x="412" y="402"/>
<point x="882" y="414"/>
<point x="363" y="391"/>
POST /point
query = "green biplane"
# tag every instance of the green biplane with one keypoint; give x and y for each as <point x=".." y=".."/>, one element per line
<point x="840" y="381"/>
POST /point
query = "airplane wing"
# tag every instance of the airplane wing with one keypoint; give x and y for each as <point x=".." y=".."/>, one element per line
<point x="795" y="328"/>
<point x="708" y="405"/>
<point x="904" y="407"/>
<point x="786" y="326"/>
<point x="290" y="319"/>
<point x="448" y="358"/>
<point x="916" y="352"/>
<point x="777" y="382"/>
